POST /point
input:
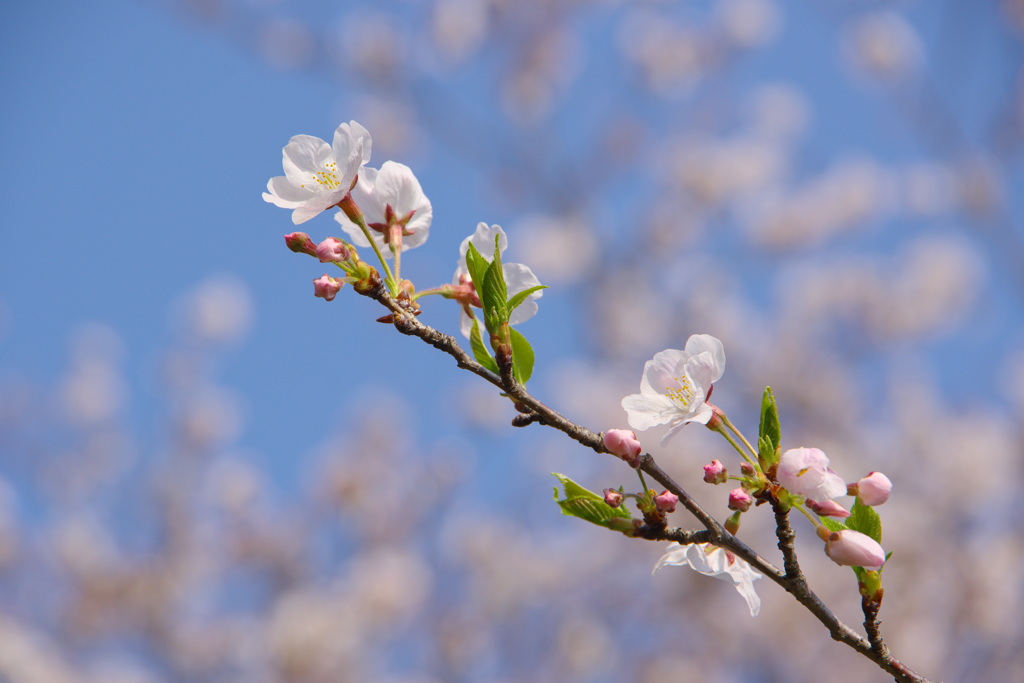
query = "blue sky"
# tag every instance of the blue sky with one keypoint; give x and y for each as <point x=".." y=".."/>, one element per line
<point x="137" y="142"/>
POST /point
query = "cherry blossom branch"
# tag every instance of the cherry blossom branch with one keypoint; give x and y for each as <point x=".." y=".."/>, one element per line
<point x="792" y="580"/>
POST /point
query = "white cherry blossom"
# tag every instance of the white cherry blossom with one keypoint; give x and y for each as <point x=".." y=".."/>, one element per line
<point x="518" y="277"/>
<point x="390" y="196"/>
<point x="317" y="175"/>
<point x="710" y="560"/>
<point x="676" y="385"/>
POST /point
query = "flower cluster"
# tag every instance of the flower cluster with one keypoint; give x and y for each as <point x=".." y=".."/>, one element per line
<point x="384" y="209"/>
<point x="675" y="390"/>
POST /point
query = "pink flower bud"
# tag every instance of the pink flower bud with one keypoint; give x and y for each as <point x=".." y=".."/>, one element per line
<point x="828" y="508"/>
<point x="300" y="243"/>
<point x="740" y="500"/>
<point x="805" y="472"/>
<point x="747" y="469"/>
<point x="327" y="287"/>
<point x="715" y="473"/>
<point x="666" y="502"/>
<point x="332" y="250"/>
<point x="623" y="443"/>
<point x="613" y="497"/>
<point x="874" y="489"/>
<point x="854" y="549"/>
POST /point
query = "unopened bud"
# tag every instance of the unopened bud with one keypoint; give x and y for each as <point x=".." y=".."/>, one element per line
<point x="715" y="473"/>
<point x="828" y="508"/>
<point x="332" y="250"/>
<point x="715" y="423"/>
<point x="747" y="469"/>
<point x="300" y="243"/>
<point x="873" y="489"/>
<point x="740" y="500"/>
<point x="327" y="287"/>
<point x="623" y="443"/>
<point x="613" y="497"/>
<point x="854" y="549"/>
<point x="666" y="501"/>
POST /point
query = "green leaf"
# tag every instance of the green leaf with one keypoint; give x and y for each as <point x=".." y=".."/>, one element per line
<point x="477" y="265"/>
<point x="587" y="505"/>
<point x="765" y="451"/>
<point x="832" y="524"/>
<point x="493" y="294"/>
<point x="522" y="357"/>
<point x="519" y="298"/>
<point x="864" y="519"/>
<point x="769" y="427"/>
<point x="480" y="352"/>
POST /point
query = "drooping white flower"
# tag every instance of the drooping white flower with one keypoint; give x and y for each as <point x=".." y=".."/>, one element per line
<point x="713" y="561"/>
<point x="676" y="385"/>
<point x="389" y="197"/>
<point x="518" y="277"/>
<point x="317" y="175"/>
<point x="805" y="472"/>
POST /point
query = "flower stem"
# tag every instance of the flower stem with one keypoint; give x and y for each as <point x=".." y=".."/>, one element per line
<point x="816" y="522"/>
<point x="643" y="482"/>
<point x="732" y="442"/>
<point x="397" y="253"/>
<point x="728" y="423"/>
<point x="428" y="292"/>
<point x="390" y="281"/>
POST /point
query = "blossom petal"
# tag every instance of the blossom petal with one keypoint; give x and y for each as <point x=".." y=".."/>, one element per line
<point x="352" y="147"/>
<point x="483" y="240"/>
<point x="705" y="343"/>
<point x="284" y="194"/>
<point x="518" y="278"/>
<point x="303" y="156"/>
<point x="315" y="205"/>
<point x="644" y="411"/>
<point x="662" y="371"/>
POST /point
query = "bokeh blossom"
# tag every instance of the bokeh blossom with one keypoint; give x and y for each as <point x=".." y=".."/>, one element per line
<point x="317" y="175"/>
<point x="676" y="385"/>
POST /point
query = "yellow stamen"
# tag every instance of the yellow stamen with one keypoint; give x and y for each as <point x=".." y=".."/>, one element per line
<point x="684" y="393"/>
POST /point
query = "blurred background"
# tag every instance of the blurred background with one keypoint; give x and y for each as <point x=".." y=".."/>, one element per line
<point x="206" y="474"/>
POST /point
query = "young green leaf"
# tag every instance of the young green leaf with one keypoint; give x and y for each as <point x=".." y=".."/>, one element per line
<point x="493" y="294"/>
<point x="522" y="356"/>
<point x="832" y="524"/>
<point x="765" y="451"/>
<point x="769" y="427"/>
<point x="864" y="519"/>
<point x="587" y="505"/>
<point x="480" y="352"/>
<point x="476" y="264"/>
<point x="519" y="298"/>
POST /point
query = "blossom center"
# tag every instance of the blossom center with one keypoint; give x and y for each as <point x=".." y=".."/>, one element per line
<point x="684" y="393"/>
<point x="328" y="178"/>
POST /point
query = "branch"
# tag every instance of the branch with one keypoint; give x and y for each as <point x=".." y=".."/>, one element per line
<point x="792" y="580"/>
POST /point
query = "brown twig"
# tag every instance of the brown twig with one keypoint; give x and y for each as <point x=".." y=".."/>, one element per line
<point x="792" y="580"/>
